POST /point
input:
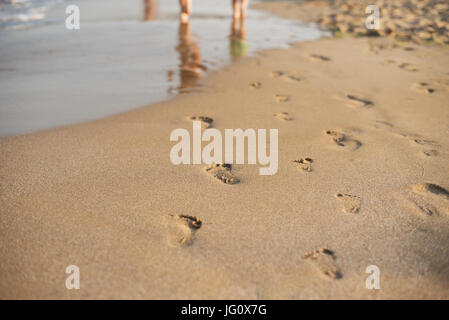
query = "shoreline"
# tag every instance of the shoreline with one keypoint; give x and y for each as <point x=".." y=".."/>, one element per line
<point x="104" y="196"/>
<point x="119" y="60"/>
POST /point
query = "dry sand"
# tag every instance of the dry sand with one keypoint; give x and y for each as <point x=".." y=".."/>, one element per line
<point x="366" y="137"/>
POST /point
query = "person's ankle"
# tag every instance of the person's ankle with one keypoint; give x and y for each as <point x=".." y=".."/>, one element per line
<point x="184" y="17"/>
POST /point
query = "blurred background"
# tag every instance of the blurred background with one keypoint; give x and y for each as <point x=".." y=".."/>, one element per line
<point x="127" y="54"/>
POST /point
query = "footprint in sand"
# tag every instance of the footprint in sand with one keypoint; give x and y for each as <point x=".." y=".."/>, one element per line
<point x="376" y="47"/>
<point x="256" y="85"/>
<point x="281" y="98"/>
<point x="428" y="198"/>
<point x="381" y="124"/>
<point x="428" y="144"/>
<point x="405" y="66"/>
<point x="324" y="260"/>
<point x="422" y="87"/>
<point x="408" y="67"/>
<point x="337" y="137"/>
<point x="428" y="150"/>
<point x="304" y="164"/>
<point x="206" y="122"/>
<point x="283" y="116"/>
<point x="287" y="76"/>
<point x="292" y="77"/>
<point x="389" y="61"/>
<point x="222" y="172"/>
<point x="318" y="58"/>
<point x="342" y="140"/>
<point x="351" y="203"/>
<point x="354" y="101"/>
<point x="421" y="141"/>
<point x="430" y="153"/>
<point x="277" y="73"/>
<point x="181" y="229"/>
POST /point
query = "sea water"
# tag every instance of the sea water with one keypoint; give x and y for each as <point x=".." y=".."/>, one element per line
<point x="125" y="55"/>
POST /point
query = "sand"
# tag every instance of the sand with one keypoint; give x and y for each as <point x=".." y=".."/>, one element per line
<point x="362" y="180"/>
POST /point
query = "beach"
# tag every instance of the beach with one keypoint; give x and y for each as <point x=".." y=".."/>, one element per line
<point x="362" y="180"/>
<point x="121" y="58"/>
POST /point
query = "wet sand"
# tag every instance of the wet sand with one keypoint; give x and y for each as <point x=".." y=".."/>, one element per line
<point x="362" y="180"/>
<point x="123" y="57"/>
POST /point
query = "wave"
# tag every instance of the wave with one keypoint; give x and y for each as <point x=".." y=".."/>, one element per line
<point x="19" y="14"/>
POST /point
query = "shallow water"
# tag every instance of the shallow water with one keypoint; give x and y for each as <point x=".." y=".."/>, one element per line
<point x="124" y="56"/>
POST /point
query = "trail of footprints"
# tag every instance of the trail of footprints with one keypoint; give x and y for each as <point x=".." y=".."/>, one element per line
<point x="422" y="87"/>
<point x="221" y="172"/>
<point x="376" y="47"/>
<point x="428" y="199"/>
<point x="287" y="76"/>
<point x="404" y="65"/>
<point x="428" y="147"/>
